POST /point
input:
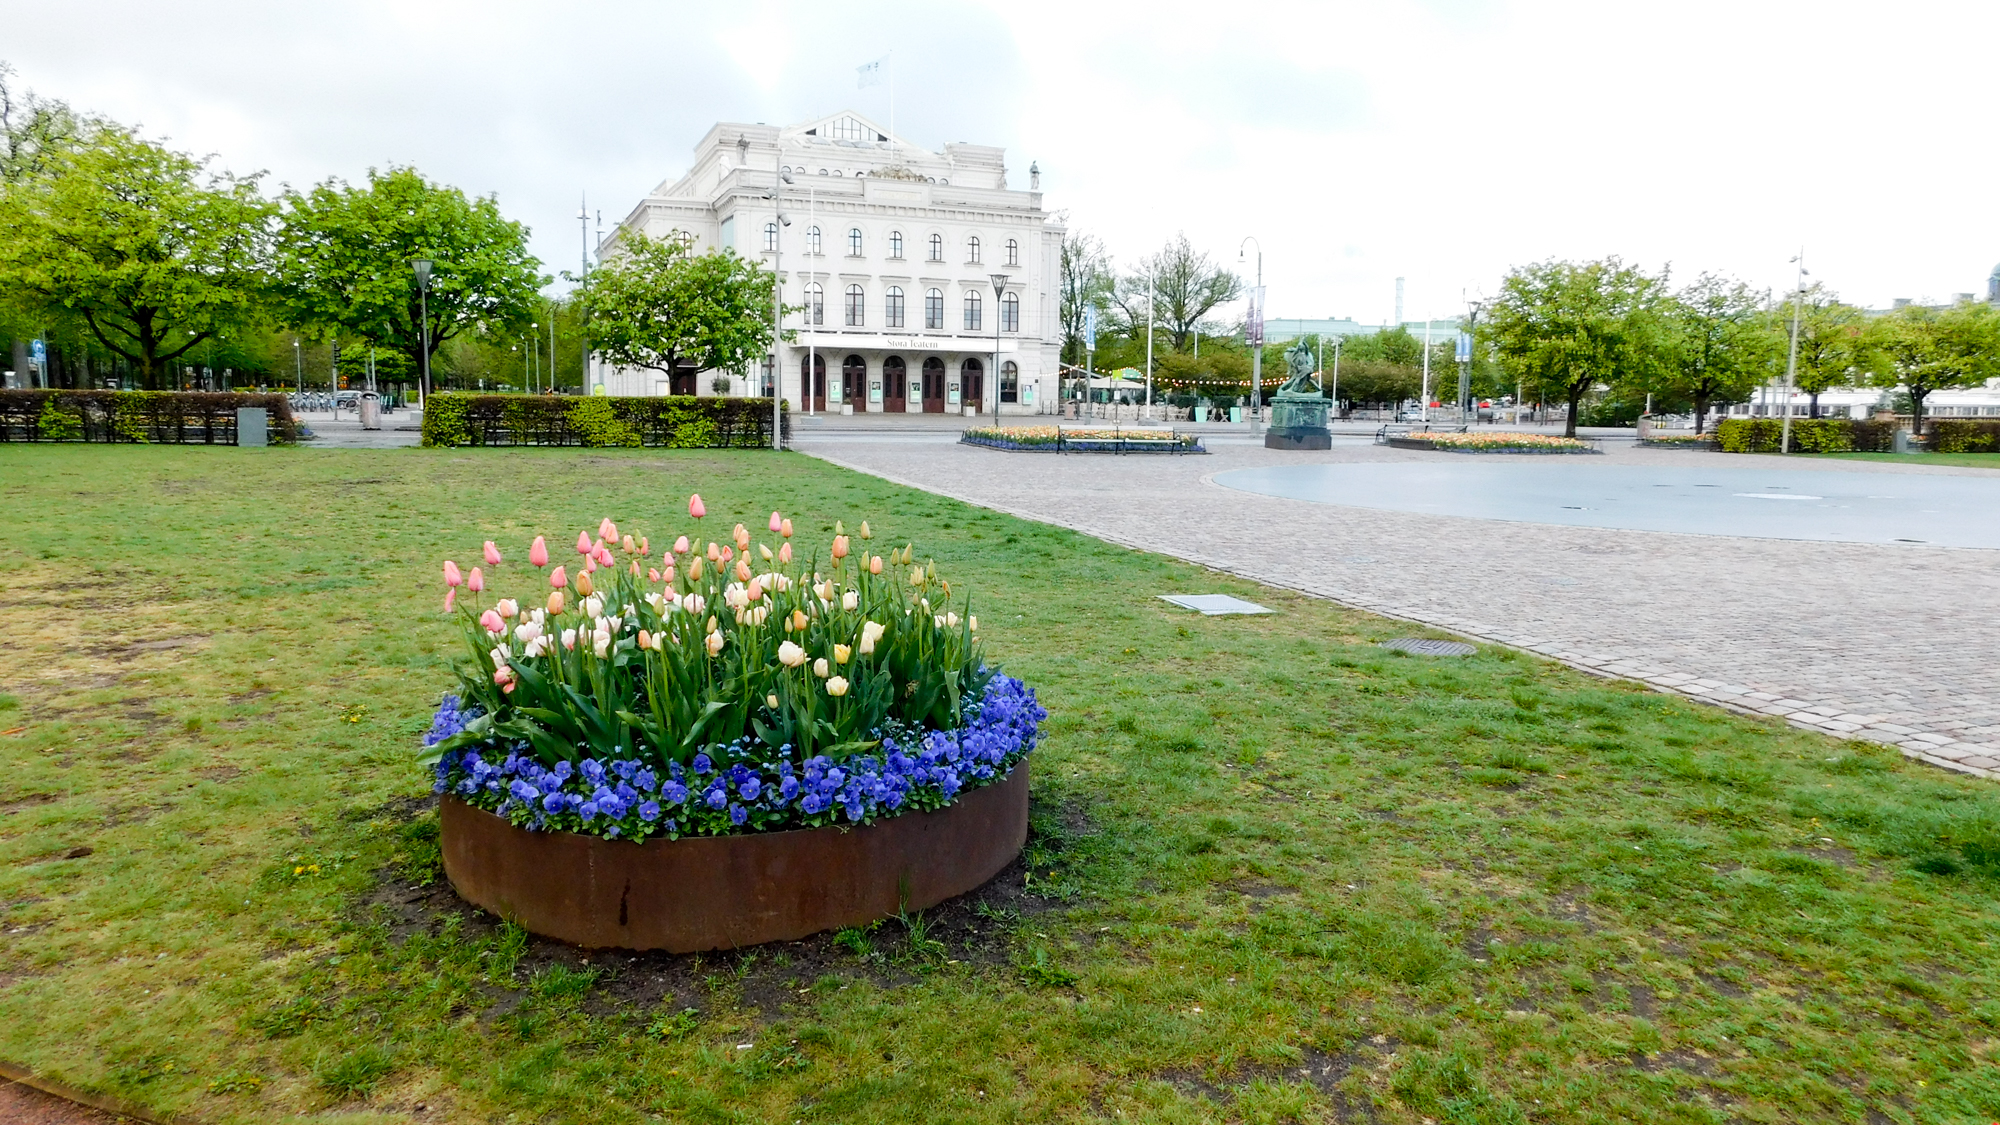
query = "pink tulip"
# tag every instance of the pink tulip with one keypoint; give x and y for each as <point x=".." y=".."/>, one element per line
<point x="589" y="565"/>
<point x="696" y="508"/>
<point x="492" y="554"/>
<point x="667" y="575"/>
<point x="583" y="545"/>
<point x="607" y="531"/>
<point x="490" y="621"/>
<point x="605" y="557"/>
<point x="776" y="523"/>
<point x="645" y="548"/>
<point x="727" y="554"/>
<point x="681" y="545"/>
<point x="539" y="553"/>
<point x="652" y="575"/>
<point x="785" y="553"/>
<point x="875" y="565"/>
<point x="451" y="575"/>
<point x="449" y="595"/>
<point x="558" y="579"/>
<point x="475" y="582"/>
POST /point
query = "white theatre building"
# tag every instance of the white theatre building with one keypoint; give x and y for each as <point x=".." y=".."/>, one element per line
<point x="892" y="253"/>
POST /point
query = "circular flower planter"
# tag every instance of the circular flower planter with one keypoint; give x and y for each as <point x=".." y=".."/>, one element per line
<point x="725" y="892"/>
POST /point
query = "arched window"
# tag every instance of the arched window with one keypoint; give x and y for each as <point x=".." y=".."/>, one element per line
<point x="934" y="309"/>
<point x="682" y="239"/>
<point x="937" y="248"/>
<point x="857" y="307"/>
<point x="854" y="242"/>
<point x="1010" y="382"/>
<point x="1013" y="252"/>
<point x="770" y="236"/>
<point x="972" y="249"/>
<point x="972" y="383"/>
<point x="895" y="244"/>
<point x="892" y="308"/>
<point x="1010" y="313"/>
<point x="972" y="310"/>
<point x="815" y="304"/>
<point x="812" y="240"/>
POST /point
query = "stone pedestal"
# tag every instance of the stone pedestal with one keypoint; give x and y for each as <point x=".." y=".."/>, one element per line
<point x="1299" y="422"/>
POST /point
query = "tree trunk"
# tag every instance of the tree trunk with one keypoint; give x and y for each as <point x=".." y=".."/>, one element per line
<point x="1917" y="411"/>
<point x="1700" y="412"/>
<point x="1813" y="412"/>
<point x="1575" y="398"/>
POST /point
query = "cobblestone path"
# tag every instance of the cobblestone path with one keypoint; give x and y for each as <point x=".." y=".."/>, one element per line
<point x="1888" y="643"/>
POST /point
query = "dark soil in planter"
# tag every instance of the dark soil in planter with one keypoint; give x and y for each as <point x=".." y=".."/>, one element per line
<point x="979" y="928"/>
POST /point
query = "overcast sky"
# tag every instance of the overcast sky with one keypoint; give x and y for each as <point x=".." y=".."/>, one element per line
<point x="1441" y="141"/>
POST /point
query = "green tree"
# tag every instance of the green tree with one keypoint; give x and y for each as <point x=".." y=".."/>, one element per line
<point x="657" y="306"/>
<point x="1718" y="345"/>
<point x="1178" y="286"/>
<point x="32" y="130"/>
<point x="1833" y="349"/>
<point x="1562" y="328"/>
<point x="1925" y="349"/>
<point x="150" y="250"/>
<point x="1086" y="284"/>
<point x="344" y="255"/>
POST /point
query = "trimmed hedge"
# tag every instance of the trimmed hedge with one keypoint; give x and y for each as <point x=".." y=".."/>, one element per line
<point x="1809" y="435"/>
<point x="671" y="421"/>
<point x="1954" y="435"/>
<point x="161" y="417"/>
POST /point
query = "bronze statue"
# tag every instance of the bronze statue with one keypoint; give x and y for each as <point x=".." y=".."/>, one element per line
<point x="1303" y="380"/>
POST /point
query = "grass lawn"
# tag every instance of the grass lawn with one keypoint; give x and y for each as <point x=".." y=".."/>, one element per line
<point x="1277" y="872"/>
<point x="1963" y="460"/>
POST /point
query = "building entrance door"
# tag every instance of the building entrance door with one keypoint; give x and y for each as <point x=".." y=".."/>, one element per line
<point x="813" y="388"/>
<point x="895" y="385"/>
<point x="854" y="383"/>
<point x="972" y="384"/>
<point x="933" y="385"/>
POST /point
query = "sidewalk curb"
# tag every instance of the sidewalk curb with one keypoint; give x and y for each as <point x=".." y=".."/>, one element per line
<point x="103" y="1103"/>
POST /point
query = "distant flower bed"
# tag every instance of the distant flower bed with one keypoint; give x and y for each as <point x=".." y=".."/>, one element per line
<point x="1082" y="439"/>
<point x="1482" y="442"/>
<point x="697" y="693"/>
<point x="1690" y="438"/>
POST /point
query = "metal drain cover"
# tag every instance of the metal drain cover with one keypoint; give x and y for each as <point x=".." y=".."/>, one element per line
<point x="1424" y="646"/>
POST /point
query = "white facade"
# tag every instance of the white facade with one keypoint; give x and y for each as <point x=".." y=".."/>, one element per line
<point x="890" y="251"/>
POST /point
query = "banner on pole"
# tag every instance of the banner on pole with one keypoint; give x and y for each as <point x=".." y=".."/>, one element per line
<point x="1253" y="320"/>
<point x="1465" y="347"/>
<point x="1090" y="328"/>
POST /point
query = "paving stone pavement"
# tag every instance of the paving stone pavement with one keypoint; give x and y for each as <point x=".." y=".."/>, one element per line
<point x="1893" y="644"/>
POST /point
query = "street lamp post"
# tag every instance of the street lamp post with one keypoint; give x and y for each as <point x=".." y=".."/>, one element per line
<point x="1465" y="411"/>
<point x="999" y="290"/>
<point x="422" y="266"/>
<point x="299" y="364"/>
<point x="1792" y="358"/>
<point x="1256" y="329"/>
<point x="775" y="195"/>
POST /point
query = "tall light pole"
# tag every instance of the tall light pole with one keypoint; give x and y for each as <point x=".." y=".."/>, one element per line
<point x="423" y="268"/>
<point x="1792" y="359"/>
<point x="999" y="290"/>
<point x="299" y="363"/>
<point x="775" y="195"/>
<point x="1465" y="411"/>
<point x="1149" y="338"/>
<point x="1255" y="329"/>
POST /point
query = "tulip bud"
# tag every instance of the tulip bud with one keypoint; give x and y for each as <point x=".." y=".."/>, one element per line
<point x="726" y="554"/>
<point x="583" y="544"/>
<point x="556" y="601"/>
<point x="865" y="533"/>
<point x="558" y="579"/>
<point x="771" y="701"/>
<point x="694" y="569"/>
<point x="450" y="595"/>
<point x="681" y="545"/>
<point x="776" y="523"/>
<point x="785" y="529"/>
<point x="492" y="554"/>
<point x="842" y="654"/>
<point x="451" y="575"/>
<point x="695" y="507"/>
<point x="838" y="529"/>
<point x="743" y="570"/>
<point x="799" y="620"/>
<point x="840" y="546"/>
<point x="714" y="643"/>
<point x="820" y="668"/>
<point x="652" y="573"/>
<point x="607" y="531"/>
<point x="764" y="551"/>
<point x="785" y="553"/>
<point x="635" y="568"/>
<point x="742" y="537"/>
<point x="584" y="585"/>
<point x="645" y="639"/>
<point x="539" y="552"/>
<point x="714" y="552"/>
<point x="475" y="581"/>
<point x="631" y="545"/>
<point x="490" y="621"/>
<point x="837" y="686"/>
<point x="875" y="565"/>
<point x="667" y="575"/>
<point x="850" y="601"/>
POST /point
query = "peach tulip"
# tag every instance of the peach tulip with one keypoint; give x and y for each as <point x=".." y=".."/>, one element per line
<point x="785" y="553"/>
<point x="714" y="552"/>
<point x="785" y="529"/>
<point x="667" y="575"/>
<point x="840" y="546"/>
<point x="507" y="607"/>
<point x="538" y="554"/>
<point x="451" y="575"/>
<point x="742" y="537"/>
<point x="696" y="508"/>
<point x="630" y="544"/>
<point x="556" y="602"/>
<point x="558" y="578"/>
<point x="875" y="565"/>
<point x="635" y="568"/>
<point x="492" y="554"/>
<point x="475" y="582"/>
<point x="584" y="586"/>
<point x="449" y="595"/>
<point x="645" y="639"/>
<point x="681" y="545"/>
<point x="743" y="570"/>
<point x="727" y="554"/>
<point x="607" y="531"/>
<point x="652" y="573"/>
<point x="694" y="569"/>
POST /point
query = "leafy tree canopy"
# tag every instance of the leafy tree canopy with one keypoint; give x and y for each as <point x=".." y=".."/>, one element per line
<point x="1561" y="328"/>
<point x="1925" y="349"/>
<point x="144" y="245"/>
<point x="657" y="306"/>
<point x="344" y="255"/>
<point x="1719" y="345"/>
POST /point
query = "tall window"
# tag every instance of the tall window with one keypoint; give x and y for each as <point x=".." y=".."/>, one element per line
<point x="934" y="309"/>
<point x="972" y="310"/>
<point x="770" y="236"/>
<point x="1010" y="382"/>
<point x="892" y="307"/>
<point x="1010" y="313"/>
<point x="937" y="248"/>
<point x="972" y="249"/>
<point x="1013" y="252"/>
<point x="812" y="240"/>
<point x="857" y="307"/>
<point x="766" y="388"/>
<point x="854" y="242"/>
<point x="895" y="244"/>
<point x="815" y="304"/>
